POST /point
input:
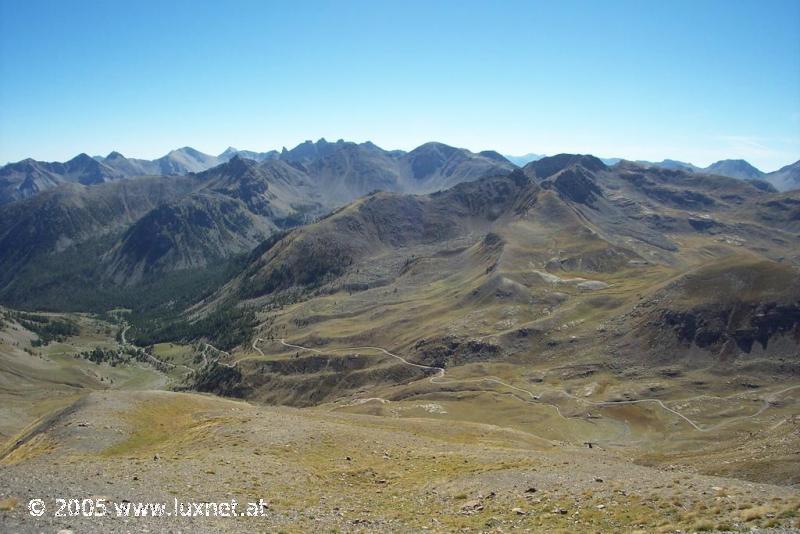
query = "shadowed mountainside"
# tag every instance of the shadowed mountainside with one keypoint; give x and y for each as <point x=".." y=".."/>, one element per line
<point x="122" y="235"/>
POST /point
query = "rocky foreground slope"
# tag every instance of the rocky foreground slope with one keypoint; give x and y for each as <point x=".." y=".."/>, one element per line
<point x="321" y="470"/>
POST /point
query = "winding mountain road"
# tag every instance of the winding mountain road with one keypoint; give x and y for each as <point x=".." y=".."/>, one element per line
<point x="150" y="357"/>
<point x="217" y="361"/>
<point x="440" y="373"/>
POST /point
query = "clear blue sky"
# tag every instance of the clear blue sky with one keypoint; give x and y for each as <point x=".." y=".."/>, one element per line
<point x="696" y="80"/>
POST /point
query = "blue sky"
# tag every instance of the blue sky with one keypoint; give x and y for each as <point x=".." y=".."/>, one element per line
<point x="697" y="80"/>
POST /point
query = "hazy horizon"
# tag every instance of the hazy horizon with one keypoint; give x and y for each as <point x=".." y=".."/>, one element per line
<point x="217" y="152"/>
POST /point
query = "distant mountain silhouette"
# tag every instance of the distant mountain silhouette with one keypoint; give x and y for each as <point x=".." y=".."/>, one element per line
<point x="523" y="160"/>
<point x="785" y="178"/>
<point x="348" y="167"/>
<point x="735" y="168"/>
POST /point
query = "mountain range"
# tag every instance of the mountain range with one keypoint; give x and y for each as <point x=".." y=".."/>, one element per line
<point x="784" y="179"/>
<point x="621" y="216"/>
<point x="120" y="222"/>
<point x="97" y="221"/>
<point x="28" y="177"/>
<point x="390" y="169"/>
<point x="124" y="232"/>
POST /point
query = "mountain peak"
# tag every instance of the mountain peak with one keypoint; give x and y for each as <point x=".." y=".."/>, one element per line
<point x="114" y="155"/>
<point x="309" y="143"/>
<point x="434" y="145"/>
<point x="228" y="153"/>
<point x="188" y="151"/>
<point x="84" y="161"/>
<point x="674" y="164"/>
<point x="238" y="164"/>
<point x="550" y="165"/>
<point x="735" y="168"/>
<point x="309" y="150"/>
<point x="785" y="178"/>
<point x="82" y="157"/>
